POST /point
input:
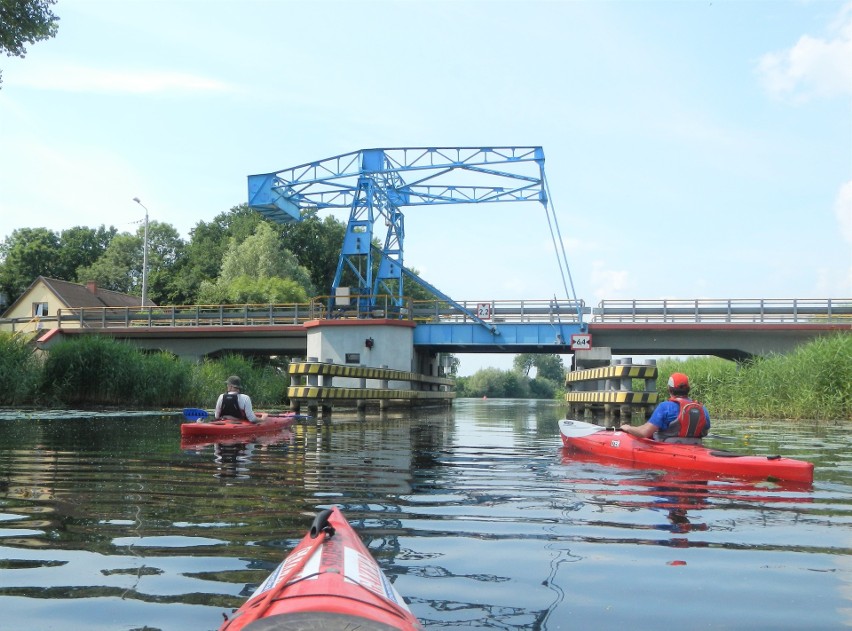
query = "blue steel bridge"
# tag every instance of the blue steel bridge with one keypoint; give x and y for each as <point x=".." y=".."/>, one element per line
<point x="369" y="284"/>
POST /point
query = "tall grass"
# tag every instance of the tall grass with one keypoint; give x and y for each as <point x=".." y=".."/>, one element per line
<point x="94" y="370"/>
<point x="20" y="370"/>
<point x="812" y="382"/>
<point x="266" y="384"/>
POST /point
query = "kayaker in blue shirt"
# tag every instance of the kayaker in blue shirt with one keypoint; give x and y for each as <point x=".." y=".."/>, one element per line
<point x="676" y="420"/>
<point x="234" y="405"/>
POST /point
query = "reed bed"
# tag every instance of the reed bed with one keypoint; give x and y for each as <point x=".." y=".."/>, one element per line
<point x="812" y="382"/>
<point x="20" y="369"/>
<point x="98" y="371"/>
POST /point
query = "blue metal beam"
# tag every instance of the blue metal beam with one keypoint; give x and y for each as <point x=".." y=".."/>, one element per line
<point x="375" y="183"/>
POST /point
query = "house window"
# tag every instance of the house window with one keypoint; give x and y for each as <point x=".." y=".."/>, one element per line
<point x="39" y="309"/>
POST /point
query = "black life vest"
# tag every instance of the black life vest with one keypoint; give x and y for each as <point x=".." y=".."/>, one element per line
<point x="231" y="406"/>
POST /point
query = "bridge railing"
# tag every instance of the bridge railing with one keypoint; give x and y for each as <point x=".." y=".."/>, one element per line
<point x="184" y="315"/>
<point x="534" y="311"/>
<point x="766" y="311"/>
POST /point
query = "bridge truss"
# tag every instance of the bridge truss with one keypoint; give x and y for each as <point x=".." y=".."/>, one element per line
<point x="376" y="183"/>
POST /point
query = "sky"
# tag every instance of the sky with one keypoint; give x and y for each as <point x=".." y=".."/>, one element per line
<point x="693" y="149"/>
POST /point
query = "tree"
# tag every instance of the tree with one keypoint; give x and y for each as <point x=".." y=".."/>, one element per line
<point x="523" y="363"/>
<point x="260" y="256"/>
<point x="26" y="254"/>
<point x="81" y="247"/>
<point x="548" y="366"/>
<point x="120" y="267"/>
<point x="203" y="255"/>
<point x="25" y="22"/>
<point x="165" y="251"/>
<point x="316" y="245"/>
<point x="496" y="383"/>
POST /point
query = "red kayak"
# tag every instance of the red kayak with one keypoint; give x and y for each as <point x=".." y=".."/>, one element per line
<point x="620" y="446"/>
<point x="328" y="582"/>
<point x="229" y="428"/>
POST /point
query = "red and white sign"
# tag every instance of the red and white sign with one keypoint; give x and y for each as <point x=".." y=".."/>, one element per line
<point x="581" y="341"/>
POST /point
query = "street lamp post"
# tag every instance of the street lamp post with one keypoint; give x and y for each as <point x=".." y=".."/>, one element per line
<point x="144" y="255"/>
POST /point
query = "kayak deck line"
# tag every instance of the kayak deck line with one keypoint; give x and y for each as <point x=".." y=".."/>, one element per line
<point x="615" y="445"/>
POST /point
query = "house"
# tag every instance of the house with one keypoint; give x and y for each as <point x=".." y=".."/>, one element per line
<point x="38" y="306"/>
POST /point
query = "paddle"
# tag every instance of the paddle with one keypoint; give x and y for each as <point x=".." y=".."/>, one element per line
<point x="194" y="414"/>
<point x="578" y="429"/>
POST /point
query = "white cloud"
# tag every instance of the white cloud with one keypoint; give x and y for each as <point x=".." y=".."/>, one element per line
<point x="607" y="283"/>
<point x="813" y="67"/>
<point x="79" y="78"/>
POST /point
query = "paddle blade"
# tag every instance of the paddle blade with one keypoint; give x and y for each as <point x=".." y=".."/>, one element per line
<point x="194" y="413"/>
<point x="578" y="429"/>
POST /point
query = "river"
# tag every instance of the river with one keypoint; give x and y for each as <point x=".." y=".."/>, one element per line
<point x="108" y="522"/>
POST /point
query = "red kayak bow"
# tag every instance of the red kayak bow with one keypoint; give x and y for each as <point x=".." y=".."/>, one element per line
<point x="329" y="582"/>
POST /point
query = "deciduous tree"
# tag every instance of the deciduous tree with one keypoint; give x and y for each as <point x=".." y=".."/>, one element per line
<point x="26" y="254"/>
<point x="25" y="22"/>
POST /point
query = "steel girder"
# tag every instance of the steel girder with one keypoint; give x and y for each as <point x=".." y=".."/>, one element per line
<point x="375" y="183"/>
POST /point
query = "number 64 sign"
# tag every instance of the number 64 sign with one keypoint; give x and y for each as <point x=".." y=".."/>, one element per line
<point x="581" y="341"/>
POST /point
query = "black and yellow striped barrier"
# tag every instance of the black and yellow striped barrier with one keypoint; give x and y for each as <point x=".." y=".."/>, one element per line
<point x="610" y="396"/>
<point x="618" y="371"/>
<point x="362" y="372"/>
<point x="312" y="384"/>
<point x="321" y="393"/>
<point x="609" y="391"/>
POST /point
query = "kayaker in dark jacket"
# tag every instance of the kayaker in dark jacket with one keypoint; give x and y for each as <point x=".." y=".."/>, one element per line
<point x="677" y="420"/>
<point x="235" y="405"/>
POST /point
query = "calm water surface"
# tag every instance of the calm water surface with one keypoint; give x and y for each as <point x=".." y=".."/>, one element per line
<point x="475" y="513"/>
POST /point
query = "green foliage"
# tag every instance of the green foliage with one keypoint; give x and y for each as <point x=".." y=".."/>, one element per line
<point x="20" y="370"/>
<point x="80" y="247"/>
<point x="120" y="267"/>
<point x="548" y="366"/>
<point x="27" y="253"/>
<point x="248" y="290"/>
<point x="93" y="370"/>
<point x="31" y="252"/>
<point x="203" y="255"/>
<point x="266" y="384"/>
<point x="496" y="384"/>
<point x="96" y="370"/>
<point x="812" y="382"/>
<point x="25" y="22"/>
<point x="316" y="245"/>
<point x="258" y="270"/>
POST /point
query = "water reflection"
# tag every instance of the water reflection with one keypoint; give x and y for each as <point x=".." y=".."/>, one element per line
<point x="476" y="515"/>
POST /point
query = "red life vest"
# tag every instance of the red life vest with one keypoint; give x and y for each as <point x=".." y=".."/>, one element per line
<point x="691" y="420"/>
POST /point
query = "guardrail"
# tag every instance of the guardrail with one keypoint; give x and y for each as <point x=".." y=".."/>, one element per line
<point x="517" y="311"/>
<point x="185" y="315"/>
<point x="803" y="311"/>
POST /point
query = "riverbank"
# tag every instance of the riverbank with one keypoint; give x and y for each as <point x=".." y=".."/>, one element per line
<point x="813" y="382"/>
